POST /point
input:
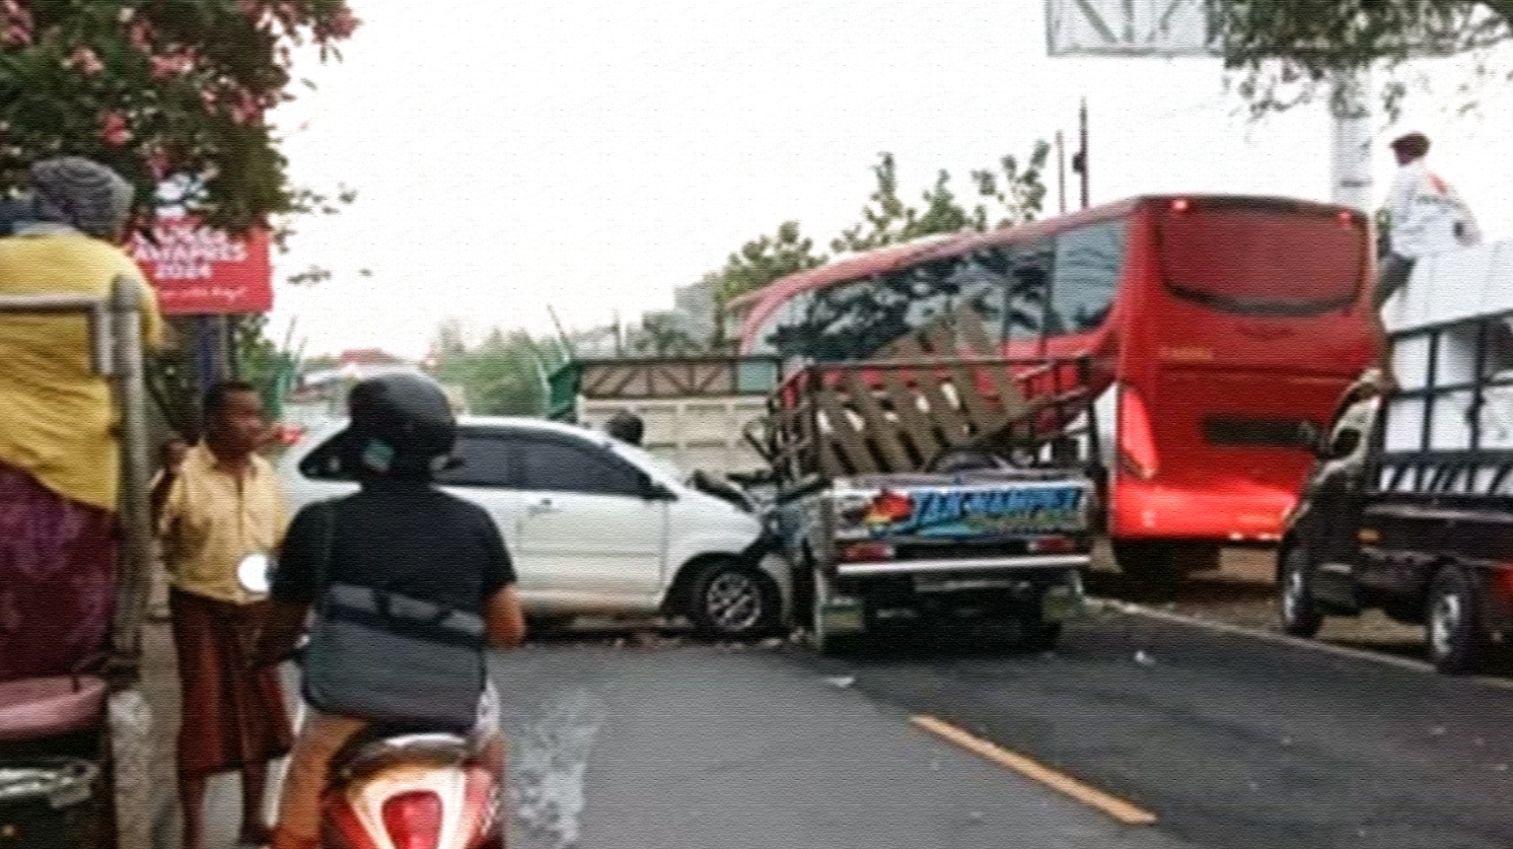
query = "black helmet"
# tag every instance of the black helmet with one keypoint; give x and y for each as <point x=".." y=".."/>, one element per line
<point x="402" y="425"/>
<point x="626" y="427"/>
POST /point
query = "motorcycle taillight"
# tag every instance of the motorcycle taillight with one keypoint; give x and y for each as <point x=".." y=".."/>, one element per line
<point x="413" y="819"/>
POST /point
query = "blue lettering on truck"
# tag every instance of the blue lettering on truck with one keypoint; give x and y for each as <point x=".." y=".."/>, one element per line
<point x="977" y="512"/>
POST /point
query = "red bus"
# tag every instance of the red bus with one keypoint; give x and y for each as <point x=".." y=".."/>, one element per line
<point x="1218" y="325"/>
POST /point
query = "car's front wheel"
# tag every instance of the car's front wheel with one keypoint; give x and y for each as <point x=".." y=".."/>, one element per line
<point x="732" y="600"/>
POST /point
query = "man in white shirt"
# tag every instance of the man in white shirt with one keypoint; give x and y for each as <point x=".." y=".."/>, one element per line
<point x="1428" y="216"/>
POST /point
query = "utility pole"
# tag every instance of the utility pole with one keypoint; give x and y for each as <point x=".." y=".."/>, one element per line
<point x="1350" y="137"/>
<point x="1080" y="158"/>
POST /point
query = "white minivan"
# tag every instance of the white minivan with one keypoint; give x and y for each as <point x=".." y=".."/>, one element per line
<point x="594" y="526"/>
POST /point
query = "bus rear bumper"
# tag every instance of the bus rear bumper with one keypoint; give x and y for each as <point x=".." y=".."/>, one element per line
<point x="1249" y="516"/>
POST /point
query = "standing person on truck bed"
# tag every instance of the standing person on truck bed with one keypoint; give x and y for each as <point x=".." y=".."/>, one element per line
<point x="59" y="458"/>
<point x="1428" y="216"/>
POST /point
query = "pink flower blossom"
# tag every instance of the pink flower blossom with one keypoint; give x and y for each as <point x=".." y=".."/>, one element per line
<point x="140" y="34"/>
<point x="15" y="24"/>
<point x="248" y="109"/>
<point x="342" y="24"/>
<point x="114" y="129"/>
<point x="172" y="64"/>
<point x="84" y="59"/>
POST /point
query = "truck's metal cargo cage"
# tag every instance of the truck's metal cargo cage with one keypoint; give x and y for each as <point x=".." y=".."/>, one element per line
<point x="1449" y="428"/>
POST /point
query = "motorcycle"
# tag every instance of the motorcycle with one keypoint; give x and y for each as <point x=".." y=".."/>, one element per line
<point x="391" y="788"/>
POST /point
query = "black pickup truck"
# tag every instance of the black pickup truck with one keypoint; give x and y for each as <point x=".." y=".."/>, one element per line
<point x="1409" y="509"/>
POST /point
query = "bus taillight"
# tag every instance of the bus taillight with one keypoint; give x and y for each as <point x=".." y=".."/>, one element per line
<point x="1137" y="442"/>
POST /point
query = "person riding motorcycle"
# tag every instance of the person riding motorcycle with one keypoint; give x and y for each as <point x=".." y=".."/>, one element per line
<point x="398" y="534"/>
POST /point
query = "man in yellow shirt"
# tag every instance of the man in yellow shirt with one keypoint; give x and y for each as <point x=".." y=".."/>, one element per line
<point x="218" y="503"/>
<point x="59" y="457"/>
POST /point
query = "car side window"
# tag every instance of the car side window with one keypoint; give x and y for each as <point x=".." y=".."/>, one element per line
<point x="562" y="465"/>
<point x="484" y="460"/>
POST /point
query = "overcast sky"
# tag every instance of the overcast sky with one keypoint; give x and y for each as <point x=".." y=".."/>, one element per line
<point x="592" y="156"/>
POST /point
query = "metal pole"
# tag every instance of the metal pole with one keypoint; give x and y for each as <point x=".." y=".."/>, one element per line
<point x="205" y="373"/>
<point x="1350" y="137"/>
<point x="1083" y="153"/>
<point x="231" y="362"/>
<point x="125" y="329"/>
<point x="128" y="714"/>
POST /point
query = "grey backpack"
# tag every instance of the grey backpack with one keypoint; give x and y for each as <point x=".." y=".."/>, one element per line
<point x="390" y="658"/>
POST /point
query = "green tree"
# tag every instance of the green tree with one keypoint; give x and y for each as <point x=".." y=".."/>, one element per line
<point x="1286" y="52"/>
<point x="1009" y="196"/>
<point x="501" y="376"/>
<point x="157" y="88"/>
<point x="661" y="336"/>
<point x="261" y="361"/>
<point x="765" y="259"/>
<point x="855" y="319"/>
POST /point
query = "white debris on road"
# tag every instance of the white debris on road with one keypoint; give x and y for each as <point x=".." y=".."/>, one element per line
<point x="550" y="759"/>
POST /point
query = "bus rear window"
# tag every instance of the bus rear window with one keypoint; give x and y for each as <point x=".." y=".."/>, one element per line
<point x="1263" y="261"/>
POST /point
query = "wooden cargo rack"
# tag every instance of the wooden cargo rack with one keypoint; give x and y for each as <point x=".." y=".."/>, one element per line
<point x="944" y="388"/>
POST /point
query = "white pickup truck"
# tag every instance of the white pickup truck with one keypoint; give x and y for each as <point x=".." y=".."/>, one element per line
<point x="595" y="526"/>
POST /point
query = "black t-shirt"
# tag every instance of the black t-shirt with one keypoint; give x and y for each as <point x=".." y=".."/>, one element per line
<point x="403" y="537"/>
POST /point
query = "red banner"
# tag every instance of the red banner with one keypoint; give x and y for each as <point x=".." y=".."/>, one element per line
<point x="198" y="271"/>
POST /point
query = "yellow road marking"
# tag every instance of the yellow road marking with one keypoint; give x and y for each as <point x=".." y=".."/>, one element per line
<point x="1119" y="809"/>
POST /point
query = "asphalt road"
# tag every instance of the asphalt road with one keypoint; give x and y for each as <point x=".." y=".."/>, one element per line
<point x="1230" y="742"/>
<point x="693" y="748"/>
<point x="1234" y="742"/>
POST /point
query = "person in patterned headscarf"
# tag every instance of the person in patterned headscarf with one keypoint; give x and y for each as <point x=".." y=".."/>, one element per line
<point x="59" y="459"/>
<point x="82" y="194"/>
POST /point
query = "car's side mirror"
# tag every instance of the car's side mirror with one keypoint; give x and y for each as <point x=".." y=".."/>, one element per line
<point x="1344" y="444"/>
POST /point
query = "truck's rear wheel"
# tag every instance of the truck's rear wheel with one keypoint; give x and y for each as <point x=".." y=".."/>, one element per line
<point x="1454" y="634"/>
<point x="732" y="600"/>
<point x="1300" y="614"/>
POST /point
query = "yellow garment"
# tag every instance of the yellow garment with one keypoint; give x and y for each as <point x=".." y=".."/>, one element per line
<point x="211" y="519"/>
<point x="56" y="414"/>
